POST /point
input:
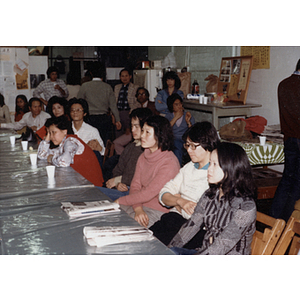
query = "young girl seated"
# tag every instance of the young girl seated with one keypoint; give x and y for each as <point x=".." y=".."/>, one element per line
<point x="21" y="107"/>
<point x="227" y="209"/>
<point x="71" y="150"/>
<point x="184" y="191"/>
<point x="155" y="167"/>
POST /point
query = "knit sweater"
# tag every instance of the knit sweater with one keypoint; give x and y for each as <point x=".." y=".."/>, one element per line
<point x="127" y="163"/>
<point x="190" y="183"/>
<point x="289" y="106"/>
<point x="229" y="226"/>
<point x="153" y="171"/>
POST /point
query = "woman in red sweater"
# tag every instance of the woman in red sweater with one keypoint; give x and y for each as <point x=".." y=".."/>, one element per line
<point x="71" y="150"/>
<point x="155" y="167"/>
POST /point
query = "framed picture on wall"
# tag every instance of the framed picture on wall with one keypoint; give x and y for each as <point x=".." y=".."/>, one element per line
<point x="234" y="77"/>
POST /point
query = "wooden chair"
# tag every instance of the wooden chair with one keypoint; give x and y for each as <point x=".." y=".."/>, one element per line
<point x="263" y="243"/>
<point x="288" y="236"/>
<point x="109" y="150"/>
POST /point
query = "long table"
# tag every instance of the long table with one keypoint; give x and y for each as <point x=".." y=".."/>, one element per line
<point x="228" y="109"/>
<point x="31" y="220"/>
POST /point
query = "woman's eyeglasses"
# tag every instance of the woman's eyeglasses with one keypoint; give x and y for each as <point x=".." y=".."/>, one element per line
<point x="192" y="146"/>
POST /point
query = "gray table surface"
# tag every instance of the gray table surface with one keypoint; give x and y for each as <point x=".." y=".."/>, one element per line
<point x="31" y="220"/>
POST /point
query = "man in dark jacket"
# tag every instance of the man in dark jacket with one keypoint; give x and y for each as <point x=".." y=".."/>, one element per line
<point x="288" y="191"/>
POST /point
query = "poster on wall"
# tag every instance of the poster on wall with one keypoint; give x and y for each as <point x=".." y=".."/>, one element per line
<point x="234" y="77"/>
<point x="14" y="74"/>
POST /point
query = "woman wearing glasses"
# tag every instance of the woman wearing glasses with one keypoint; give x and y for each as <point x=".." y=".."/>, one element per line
<point x="184" y="191"/>
<point x="79" y="113"/>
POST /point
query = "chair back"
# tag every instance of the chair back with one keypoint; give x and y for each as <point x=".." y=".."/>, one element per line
<point x="288" y="237"/>
<point x="263" y="243"/>
<point x="109" y="150"/>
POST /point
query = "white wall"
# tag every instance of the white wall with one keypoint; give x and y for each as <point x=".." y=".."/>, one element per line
<point x="264" y="82"/>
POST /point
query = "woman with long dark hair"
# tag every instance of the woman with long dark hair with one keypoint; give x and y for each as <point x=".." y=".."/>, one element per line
<point x="227" y="209"/>
<point x="171" y="85"/>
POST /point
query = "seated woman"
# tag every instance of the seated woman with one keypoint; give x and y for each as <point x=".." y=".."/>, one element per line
<point x="123" y="172"/>
<point x="184" y="191"/>
<point x="57" y="106"/>
<point x="171" y="85"/>
<point x="155" y="167"/>
<point x="21" y="107"/>
<point x="79" y="113"/>
<point x="180" y="122"/>
<point x="71" y="150"/>
<point x="4" y="111"/>
<point x="227" y="209"/>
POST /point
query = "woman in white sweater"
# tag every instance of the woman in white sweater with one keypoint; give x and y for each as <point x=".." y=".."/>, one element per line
<point x="184" y="191"/>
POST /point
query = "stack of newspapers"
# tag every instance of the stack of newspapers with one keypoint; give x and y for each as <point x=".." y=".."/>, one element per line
<point x="81" y="209"/>
<point x="102" y="236"/>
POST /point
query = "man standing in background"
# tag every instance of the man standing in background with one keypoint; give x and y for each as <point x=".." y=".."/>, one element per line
<point x="50" y="87"/>
<point x="100" y="98"/>
<point x="288" y="190"/>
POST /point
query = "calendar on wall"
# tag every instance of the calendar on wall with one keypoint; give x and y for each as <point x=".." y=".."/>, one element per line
<point x="261" y="56"/>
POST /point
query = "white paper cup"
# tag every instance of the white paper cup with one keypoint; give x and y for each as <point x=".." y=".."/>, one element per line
<point x="51" y="183"/>
<point x="262" y="140"/>
<point x="24" y="145"/>
<point x="205" y="100"/>
<point x="12" y="140"/>
<point x="33" y="159"/>
<point x="50" y="171"/>
<point x="201" y="100"/>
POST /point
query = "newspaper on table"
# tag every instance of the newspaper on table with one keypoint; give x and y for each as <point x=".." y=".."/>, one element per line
<point x="108" y="235"/>
<point x="273" y="133"/>
<point x="80" y="209"/>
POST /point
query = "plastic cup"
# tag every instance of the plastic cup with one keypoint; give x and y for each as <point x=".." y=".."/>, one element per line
<point x="205" y="100"/>
<point x="33" y="159"/>
<point x="51" y="183"/>
<point x="24" y="145"/>
<point x="50" y="171"/>
<point x="201" y="100"/>
<point x="12" y="140"/>
<point x="262" y="140"/>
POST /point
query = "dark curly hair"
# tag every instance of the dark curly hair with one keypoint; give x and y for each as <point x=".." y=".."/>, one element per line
<point x="238" y="179"/>
<point x="171" y="75"/>
<point x="163" y="132"/>
<point x="52" y="69"/>
<point x="60" y="100"/>
<point x="171" y="99"/>
<point x="203" y="133"/>
<point x="142" y="88"/>
<point x="84" y="105"/>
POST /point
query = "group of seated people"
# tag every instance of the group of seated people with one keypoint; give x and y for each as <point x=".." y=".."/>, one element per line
<point x="204" y="206"/>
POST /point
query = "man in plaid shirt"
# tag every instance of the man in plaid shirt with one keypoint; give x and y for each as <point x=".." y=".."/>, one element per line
<point x="50" y="87"/>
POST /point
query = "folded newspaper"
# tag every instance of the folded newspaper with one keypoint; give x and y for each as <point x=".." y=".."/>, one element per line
<point x="102" y="236"/>
<point x="80" y="209"/>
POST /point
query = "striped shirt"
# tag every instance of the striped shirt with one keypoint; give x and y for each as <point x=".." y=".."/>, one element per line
<point x="229" y="226"/>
